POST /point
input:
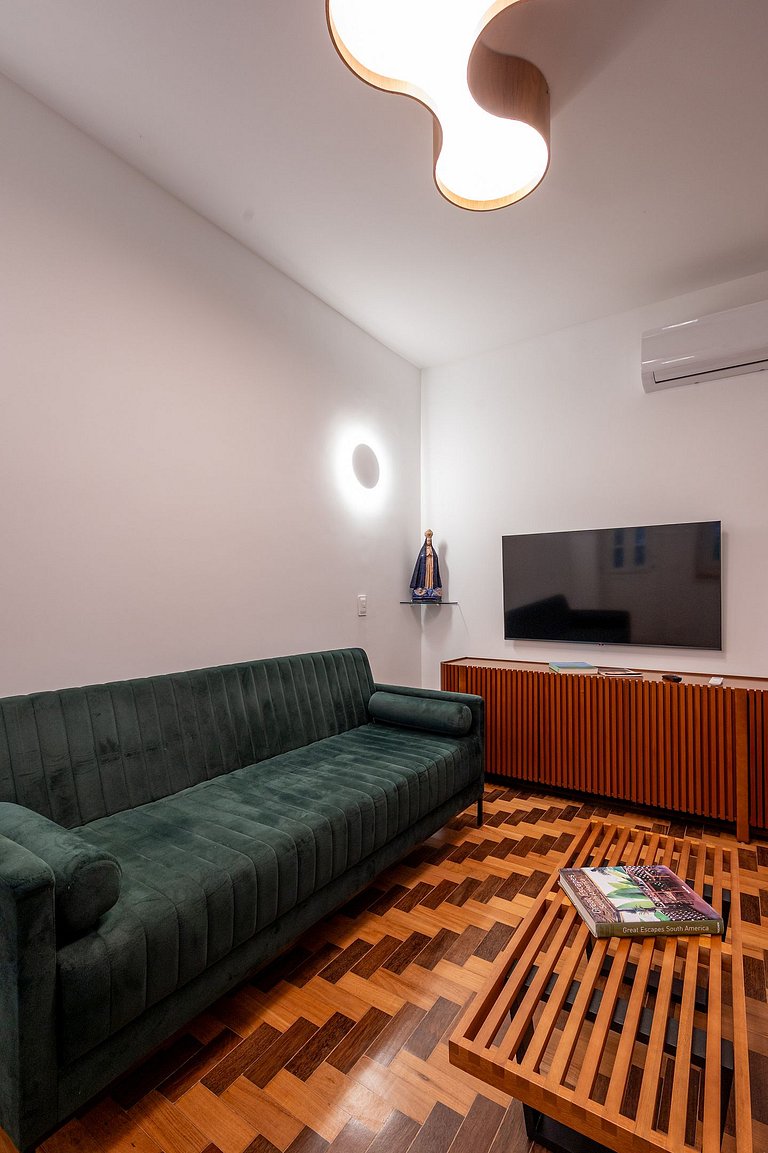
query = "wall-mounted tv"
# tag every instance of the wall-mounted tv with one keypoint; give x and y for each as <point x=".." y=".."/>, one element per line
<point x="655" y="585"/>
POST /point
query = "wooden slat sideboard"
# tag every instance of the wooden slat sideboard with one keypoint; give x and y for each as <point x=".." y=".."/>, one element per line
<point x="690" y="747"/>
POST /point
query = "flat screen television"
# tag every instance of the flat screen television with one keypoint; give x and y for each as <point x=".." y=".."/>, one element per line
<point x="655" y="585"/>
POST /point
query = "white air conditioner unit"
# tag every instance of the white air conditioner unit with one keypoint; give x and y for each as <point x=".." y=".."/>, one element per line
<point x="723" y="344"/>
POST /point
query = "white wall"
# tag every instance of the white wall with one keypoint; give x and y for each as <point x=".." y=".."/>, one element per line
<point x="557" y="433"/>
<point x="169" y="411"/>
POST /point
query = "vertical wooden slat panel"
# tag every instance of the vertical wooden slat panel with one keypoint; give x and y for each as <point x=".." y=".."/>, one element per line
<point x="672" y="744"/>
<point x="751" y="761"/>
<point x="698" y="760"/>
<point x="722" y="765"/>
<point x="639" y="774"/>
<point x="691" y="748"/>
<point x="690" y="754"/>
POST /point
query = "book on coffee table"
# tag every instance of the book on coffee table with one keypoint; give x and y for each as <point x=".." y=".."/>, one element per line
<point x="638" y="901"/>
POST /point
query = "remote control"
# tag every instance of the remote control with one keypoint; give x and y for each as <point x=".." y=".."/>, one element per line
<point x="671" y="677"/>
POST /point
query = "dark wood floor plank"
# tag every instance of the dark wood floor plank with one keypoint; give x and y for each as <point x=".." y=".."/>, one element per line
<point x="494" y="941"/>
<point x="394" y="1036"/>
<point x="381" y="952"/>
<point x="439" y="894"/>
<point x="385" y="902"/>
<point x="265" y="1066"/>
<point x="324" y="1041"/>
<point x="755" y="977"/>
<point x="511" y="886"/>
<point x="465" y="946"/>
<point x="488" y="889"/>
<point x="552" y="814"/>
<point x="523" y="846"/>
<point x="346" y="960"/>
<point x="261" y="1145"/>
<point x="353" y="1138"/>
<point x="463" y="891"/>
<point x="396" y="1134"/>
<point x="479" y="1127"/>
<point x="193" y="1070"/>
<point x="437" y="948"/>
<point x="461" y="852"/>
<point x="758" y="1072"/>
<point x="414" y="897"/>
<point x="750" y="908"/>
<point x="503" y="848"/>
<point x="237" y="1061"/>
<point x="351" y="1048"/>
<point x="437" y="1021"/>
<point x="438" y="1131"/>
<point x="307" y="1142"/>
<point x="535" y="883"/>
<point x="312" y="966"/>
<point x="408" y="951"/>
<point x="511" y="1136"/>
<point x="481" y="851"/>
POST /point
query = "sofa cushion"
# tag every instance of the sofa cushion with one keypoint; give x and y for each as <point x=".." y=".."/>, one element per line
<point x="413" y="712"/>
<point x="86" y="879"/>
<point x="205" y="869"/>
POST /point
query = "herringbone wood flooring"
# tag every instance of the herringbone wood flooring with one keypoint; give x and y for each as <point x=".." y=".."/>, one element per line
<point x="340" y="1045"/>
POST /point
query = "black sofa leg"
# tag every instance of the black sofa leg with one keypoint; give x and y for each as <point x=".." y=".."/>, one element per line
<point x="479" y="812"/>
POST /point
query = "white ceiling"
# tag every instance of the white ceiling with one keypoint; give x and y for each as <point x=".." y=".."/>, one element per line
<point x="658" y="183"/>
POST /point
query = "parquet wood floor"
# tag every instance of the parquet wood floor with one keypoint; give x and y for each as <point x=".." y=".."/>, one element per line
<point x="340" y="1045"/>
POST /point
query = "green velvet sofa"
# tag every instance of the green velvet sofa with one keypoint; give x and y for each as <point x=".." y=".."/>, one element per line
<point x="161" y="838"/>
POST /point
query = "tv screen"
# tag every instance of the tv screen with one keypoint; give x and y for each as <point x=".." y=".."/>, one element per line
<point x="656" y="585"/>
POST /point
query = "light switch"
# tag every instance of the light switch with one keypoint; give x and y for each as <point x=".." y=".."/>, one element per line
<point x="362" y="605"/>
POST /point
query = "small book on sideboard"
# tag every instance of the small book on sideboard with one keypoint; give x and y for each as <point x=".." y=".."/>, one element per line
<point x="572" y="667"/>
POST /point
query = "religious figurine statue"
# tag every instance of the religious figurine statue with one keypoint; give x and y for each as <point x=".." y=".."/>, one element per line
<point x="425" y="582"/>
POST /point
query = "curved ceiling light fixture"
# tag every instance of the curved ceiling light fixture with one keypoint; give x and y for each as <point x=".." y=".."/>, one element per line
<point x="491" y="111"/>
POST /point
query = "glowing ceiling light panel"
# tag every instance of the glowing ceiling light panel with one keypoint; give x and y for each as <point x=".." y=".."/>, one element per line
<point x="491" y="131"/>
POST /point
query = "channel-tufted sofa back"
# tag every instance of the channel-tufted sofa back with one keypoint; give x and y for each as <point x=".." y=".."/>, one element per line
<point x="84" y="753"/>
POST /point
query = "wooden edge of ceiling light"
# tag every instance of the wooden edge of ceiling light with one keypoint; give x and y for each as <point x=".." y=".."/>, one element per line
<point x="510" y="87"/>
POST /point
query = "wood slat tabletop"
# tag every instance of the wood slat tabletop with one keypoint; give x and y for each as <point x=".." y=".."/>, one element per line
<point x="634" y="1043"/>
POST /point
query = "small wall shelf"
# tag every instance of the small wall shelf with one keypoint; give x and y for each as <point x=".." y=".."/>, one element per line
<point x="437" y="603"/>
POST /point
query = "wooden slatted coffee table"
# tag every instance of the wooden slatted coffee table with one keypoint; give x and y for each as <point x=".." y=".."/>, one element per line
<point x="637" y="1045"/>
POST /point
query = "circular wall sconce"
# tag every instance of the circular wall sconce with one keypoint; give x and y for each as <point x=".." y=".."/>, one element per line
<point x="365" y="466"/>
<point x="362" y="468"/>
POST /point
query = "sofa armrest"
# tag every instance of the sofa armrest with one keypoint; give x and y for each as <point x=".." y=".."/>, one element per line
<point x="28" y="1080"/>
<point x="475" y="704"/>
<point x="86" y="879"/>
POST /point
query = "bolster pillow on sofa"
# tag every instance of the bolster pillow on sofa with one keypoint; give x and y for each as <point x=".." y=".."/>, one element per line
<point x="87" y="880"/>
<point x="435" y="716"/>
